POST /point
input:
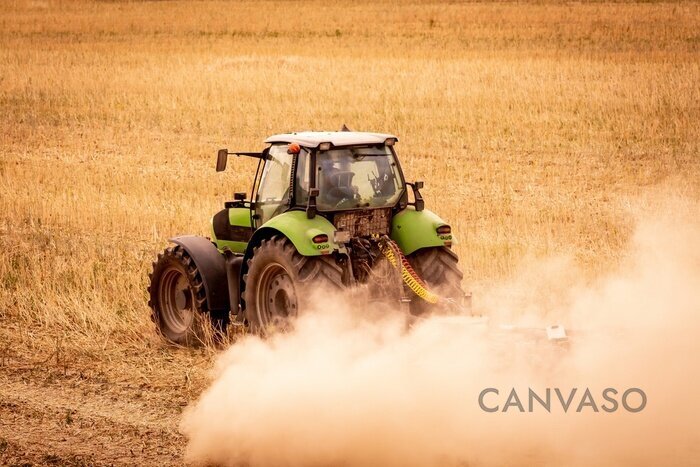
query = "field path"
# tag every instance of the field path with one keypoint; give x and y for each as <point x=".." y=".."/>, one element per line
<point x="52" y="418"/>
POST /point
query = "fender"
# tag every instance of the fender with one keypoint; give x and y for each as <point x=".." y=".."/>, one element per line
<point x="212" y="267"/>
<point x="413" y="230"/>
<point x="298" y="229"/>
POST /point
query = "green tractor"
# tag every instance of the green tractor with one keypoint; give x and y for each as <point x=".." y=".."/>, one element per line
<point x="328" y="211"/>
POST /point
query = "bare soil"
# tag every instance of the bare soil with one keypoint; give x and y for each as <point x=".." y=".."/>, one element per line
<point x="120" y="408"/>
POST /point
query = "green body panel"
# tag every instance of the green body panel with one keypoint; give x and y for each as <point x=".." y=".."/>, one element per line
<point x="410" y="229"/>
<point x="300" y="230"/>
<point x="239" y="217"/>
<point x="413" y="230"/>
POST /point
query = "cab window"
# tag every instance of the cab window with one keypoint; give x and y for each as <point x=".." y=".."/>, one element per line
<point x="357" y="177"/>
<point x="273" y="191"/>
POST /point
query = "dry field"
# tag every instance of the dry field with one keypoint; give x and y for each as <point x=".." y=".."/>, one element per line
<point x="534" y="126"/>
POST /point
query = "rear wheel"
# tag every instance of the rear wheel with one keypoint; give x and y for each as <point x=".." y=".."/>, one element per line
<point x="278" y="282"/>
<point x="178" y="300"/>
<point x="437" y="266"/>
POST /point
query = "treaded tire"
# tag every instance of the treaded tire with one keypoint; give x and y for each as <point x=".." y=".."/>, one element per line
<point x="437" y="266"/>
<point x="277" y="281"/>
<point x="178" y="300"/>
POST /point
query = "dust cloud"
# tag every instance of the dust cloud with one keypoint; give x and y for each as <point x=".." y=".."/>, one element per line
<point x="349" y="387"/>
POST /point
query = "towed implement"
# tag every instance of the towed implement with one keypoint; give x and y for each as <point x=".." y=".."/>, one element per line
<point x="328" y="211"/>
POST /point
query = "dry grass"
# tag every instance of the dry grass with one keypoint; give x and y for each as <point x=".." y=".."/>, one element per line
<point x="533" y="125"/>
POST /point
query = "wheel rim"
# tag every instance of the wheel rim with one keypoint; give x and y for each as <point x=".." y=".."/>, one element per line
<point x="276" y="297"/>
<point x="175" y="297"/>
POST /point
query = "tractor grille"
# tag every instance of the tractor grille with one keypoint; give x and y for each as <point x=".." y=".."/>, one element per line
<point x="364" y="223"/>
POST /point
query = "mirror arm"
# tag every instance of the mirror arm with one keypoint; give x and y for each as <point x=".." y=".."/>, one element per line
<point x="311" y="205"/>
<point x="222" y="157"/>
<point x="419" y="203"/>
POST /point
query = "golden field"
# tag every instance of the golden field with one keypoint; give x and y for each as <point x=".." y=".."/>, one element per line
<point x="534" y="126"/>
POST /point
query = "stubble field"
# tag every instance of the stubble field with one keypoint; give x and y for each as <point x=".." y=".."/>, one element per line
<point x="534" y="126"/>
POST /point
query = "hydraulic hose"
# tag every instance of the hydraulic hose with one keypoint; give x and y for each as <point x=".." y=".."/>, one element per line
<point x="395" y="256"/>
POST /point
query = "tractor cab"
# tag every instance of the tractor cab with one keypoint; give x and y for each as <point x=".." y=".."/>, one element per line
<point x="352" y="176"/>
<point x="349" y="170"/>
<point x="321" y="173"/>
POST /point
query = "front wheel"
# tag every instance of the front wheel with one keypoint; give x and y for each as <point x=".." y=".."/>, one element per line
<point x="278" y="282"/>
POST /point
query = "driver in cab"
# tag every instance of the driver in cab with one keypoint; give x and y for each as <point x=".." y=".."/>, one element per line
<point x="337" y="190"/>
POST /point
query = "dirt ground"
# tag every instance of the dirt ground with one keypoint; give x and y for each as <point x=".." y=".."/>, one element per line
<point x="70" y="419"/>
<point x="121" y="407"/>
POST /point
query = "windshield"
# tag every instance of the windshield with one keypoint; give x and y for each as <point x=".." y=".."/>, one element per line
<point x="357" y="177"/>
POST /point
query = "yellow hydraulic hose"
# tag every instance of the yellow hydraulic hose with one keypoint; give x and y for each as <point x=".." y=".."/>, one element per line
<point x="391" y="250"/>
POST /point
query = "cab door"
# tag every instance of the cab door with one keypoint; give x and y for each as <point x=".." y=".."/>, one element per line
<point x="274" y="189"/>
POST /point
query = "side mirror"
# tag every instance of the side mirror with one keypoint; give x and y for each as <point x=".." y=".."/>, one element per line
<point x="240" y="196"/>
<point x="418" y="185"/>
<point x="221" y="158"/>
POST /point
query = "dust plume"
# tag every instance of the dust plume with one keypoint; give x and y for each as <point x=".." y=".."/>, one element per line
<point x="349" y="389"/>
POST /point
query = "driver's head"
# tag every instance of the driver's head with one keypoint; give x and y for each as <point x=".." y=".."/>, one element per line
<point x="343" y="165"/>
<point x="327" y="169"/>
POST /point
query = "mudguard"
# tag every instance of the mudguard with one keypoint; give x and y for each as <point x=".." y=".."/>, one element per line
<point x="413" y="230"/>
<point x="300" y="230"/>
<point x="212" y="267"/>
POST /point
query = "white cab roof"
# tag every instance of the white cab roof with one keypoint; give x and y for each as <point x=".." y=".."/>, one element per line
<point x="312" y="139"/>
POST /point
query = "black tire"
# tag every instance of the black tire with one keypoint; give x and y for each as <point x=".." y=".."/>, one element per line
<point x="437" y="266"/>
<point x="278" y="282"/>
<point x="178" y="300"/>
